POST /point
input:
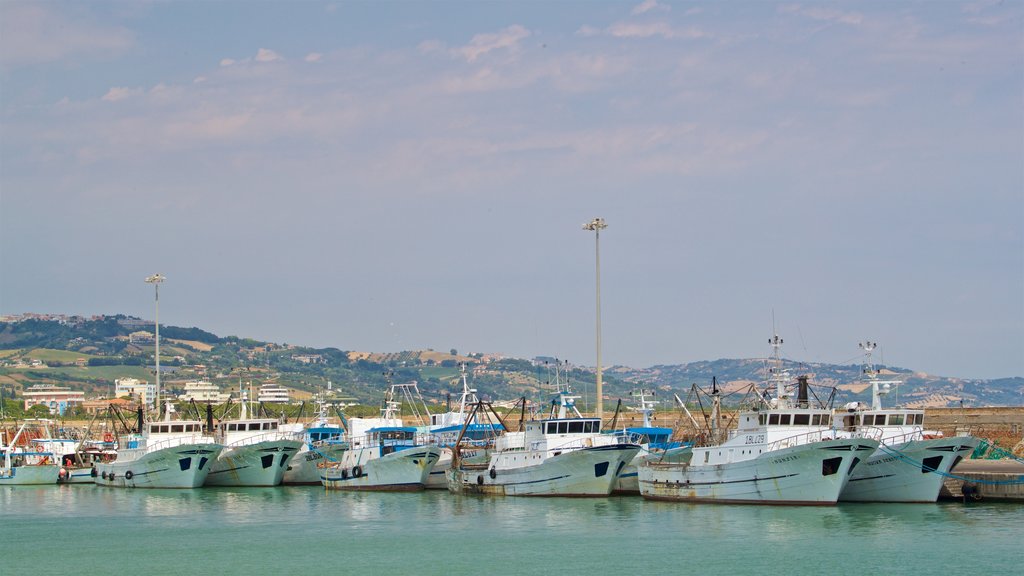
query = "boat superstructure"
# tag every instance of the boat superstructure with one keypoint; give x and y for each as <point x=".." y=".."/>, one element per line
<point x="911" y="462"/>
<point x="562" y="455"/>
<point x="165" y="454"/>
<point x="655" y="442"/>
<point x="786" y="453"/>
<point x="323" y="442"/>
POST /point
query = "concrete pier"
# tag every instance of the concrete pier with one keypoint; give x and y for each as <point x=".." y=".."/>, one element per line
<point x="1009" y="474"/>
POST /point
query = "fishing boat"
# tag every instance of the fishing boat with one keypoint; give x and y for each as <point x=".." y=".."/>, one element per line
<point x="786" y="453"/>
<point x="165" y="454"/>
<point x="383" y="454"/>
<point x="24" y="463"/>
<point x="75" y="454"/>
<point x="563" y="455"/>
<point x="322" y="441"/>
<point x="655" y="443"/>
<point x="256" y="451"/>
<point x="911" y="462"/>
<point x="447" y="427"/>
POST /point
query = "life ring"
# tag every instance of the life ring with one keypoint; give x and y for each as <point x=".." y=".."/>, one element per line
<point x="62" y="475"/>
<point x="40" y="448"/>
<point x="357" y="471"/>
<point x="104" y="475"/>
<point x="111" y="477"/>
<point x="493" y="473"/>
<point x="108" y="437"/>
<point x="128" y="475"/>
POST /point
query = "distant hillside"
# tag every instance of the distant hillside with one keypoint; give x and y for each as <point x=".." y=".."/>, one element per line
<point x="89" y="353"/>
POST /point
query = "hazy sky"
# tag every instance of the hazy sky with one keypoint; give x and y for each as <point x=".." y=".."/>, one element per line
<point x="391" y="176"/>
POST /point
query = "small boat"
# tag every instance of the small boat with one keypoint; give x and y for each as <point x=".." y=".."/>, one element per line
<point x="445" y="428"/>
<point x="563" y="455"/>
<point x="911" y="462"/>
<point x="24" y="463"/>
<point x="75" y="454"/>
<point x="655" y="443"/>
<point x="785" y="454"/>
<point x="255" y="452"/>
<point x="323" y="442"/>
<point x="165" y="454"/>
<point x="383" y="454"/>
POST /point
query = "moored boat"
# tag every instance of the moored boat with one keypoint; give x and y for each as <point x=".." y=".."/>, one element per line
<point x="24" y="463"/>
<point x="911" y="463"/>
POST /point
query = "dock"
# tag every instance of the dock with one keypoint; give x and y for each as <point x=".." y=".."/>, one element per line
<point x="986" y="480"/>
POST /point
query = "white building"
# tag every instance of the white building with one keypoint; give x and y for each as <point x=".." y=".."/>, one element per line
<point x="56" y="398"/>
<point x="273" y="393"/>
<point x="136" y="390"/>
<point x="203" y="391"/>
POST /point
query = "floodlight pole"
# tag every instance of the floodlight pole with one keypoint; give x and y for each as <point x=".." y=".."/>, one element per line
<point x="598" y="224"/>
<point x="155" y="280"/>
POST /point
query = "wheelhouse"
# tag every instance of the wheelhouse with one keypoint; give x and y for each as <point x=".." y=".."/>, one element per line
<point x="571" y="426"/>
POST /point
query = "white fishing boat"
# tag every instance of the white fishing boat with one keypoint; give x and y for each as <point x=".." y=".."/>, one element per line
<point x="75" y="455"/>
<point x="383" y="455"/>
<point x="564" y="455"/>
<point x="655" y="443"/>
<point x="256" y="451"/>
<point x="446" y="427"/>
<point x="911" y="462"/>
<point x="323" y="442"/>
<point x="785" y="454"/>
<point x="166" y="454"/>
<point x="24" y="463"/>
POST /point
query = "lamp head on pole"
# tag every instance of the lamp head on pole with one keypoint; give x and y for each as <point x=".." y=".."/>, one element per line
<point x="595" y="224"/>
<point x="155" y="279"/>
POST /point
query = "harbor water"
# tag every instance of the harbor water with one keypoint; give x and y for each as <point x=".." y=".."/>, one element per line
<point x="305" y="530"/>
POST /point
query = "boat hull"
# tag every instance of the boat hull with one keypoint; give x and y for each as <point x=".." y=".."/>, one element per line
<point x="181" y="466"/>
<point x="35" y="474"/>
<point x="303" y="468"/>
<point x="586" y="472"/>
<point x="808" y="474"/>
<point x="627" y="483"/>
<point x="908" y="472"/>
<point x="402" y="471"/>
<point x="260" y="464"/>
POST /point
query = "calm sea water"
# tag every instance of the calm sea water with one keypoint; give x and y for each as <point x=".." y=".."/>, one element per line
<point x="305" y="530"/>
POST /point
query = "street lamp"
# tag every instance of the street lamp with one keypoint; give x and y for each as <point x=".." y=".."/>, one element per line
<point x="155" y="280"/>
<point x="597" y="224"/>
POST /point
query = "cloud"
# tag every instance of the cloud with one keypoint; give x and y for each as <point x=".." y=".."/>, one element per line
<point x="823" y="14"/>
<point x="313" y="57"/>
<point x="33" y="33"/>
<point x="267" y="55"/>
<point x="227" y="62"/>
<point x="648" y="5"/>
<point x="637" y="30"/>
<point x="120" y="93"/>
<point x="481" y="44"/>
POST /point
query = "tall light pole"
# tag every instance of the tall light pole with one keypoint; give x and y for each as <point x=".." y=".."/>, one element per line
<point x="597" y="224"/>
<point x="155" y="280"/>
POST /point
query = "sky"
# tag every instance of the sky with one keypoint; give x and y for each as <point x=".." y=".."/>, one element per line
<point x="387" y="176"/>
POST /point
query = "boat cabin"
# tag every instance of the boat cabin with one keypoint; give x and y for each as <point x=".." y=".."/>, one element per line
<point x="391" y="438"/>
<point x="563" y="426"/>
<point x="190" y="427"/>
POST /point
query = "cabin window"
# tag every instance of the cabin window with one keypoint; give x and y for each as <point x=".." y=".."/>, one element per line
<point x="563" y="427"/>
<point x="816" y="420"/>
<point x="762" y="418"/>
<point x="254" y="426"/>
<point x="773" y="419"/>
<point x="552" y="428"/>
<point x="588" y="427"/>
<point x="895" y="419"/>
<point x="177" y="428"/>
<point x="575" y="427"/>
<point x="784" y="419"/>
<point x="919" y="419"/>
<point x="826" y="420"/>
<point x="801" y="419"/>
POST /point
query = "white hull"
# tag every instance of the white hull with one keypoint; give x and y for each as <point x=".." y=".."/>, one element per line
<point x="29" y="475"/>
<point x="182" y="466"/>
<point x="627" y="482"/>
<point x="260" y="464"/>
<point x="303" y="468"/>
<point x="908" y="472"/>
<point x="404" y="470"/>
<point x="437" y="479"/>
<point x="582" y="472"/>
<point x="811" y="474"/>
